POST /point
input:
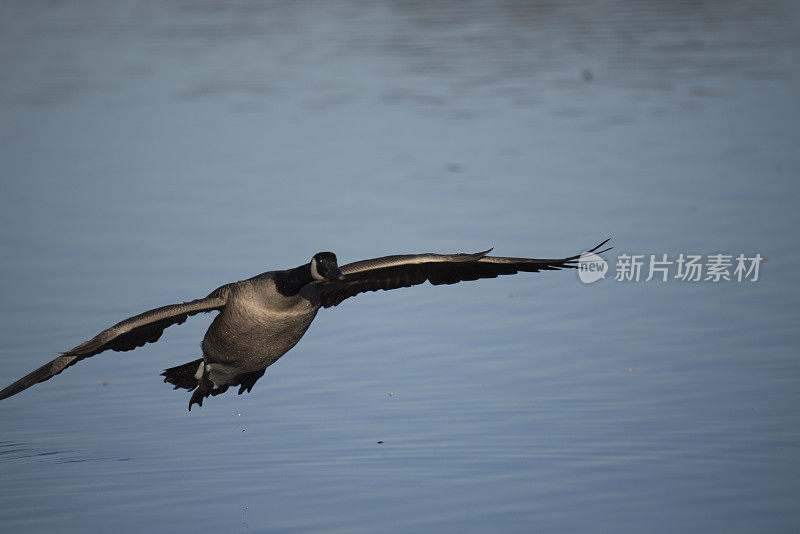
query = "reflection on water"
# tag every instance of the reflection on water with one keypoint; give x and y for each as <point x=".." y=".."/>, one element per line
<point x="153" y="150"/>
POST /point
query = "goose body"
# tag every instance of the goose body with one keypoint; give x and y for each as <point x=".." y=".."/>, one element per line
<point x="257" y="326"/>
<point x="263" y="317"/>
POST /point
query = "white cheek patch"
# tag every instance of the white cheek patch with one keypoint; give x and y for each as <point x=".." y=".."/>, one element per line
<point x="314" y="272"/>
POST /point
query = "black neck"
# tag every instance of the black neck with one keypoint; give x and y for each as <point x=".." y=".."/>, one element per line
<point x="291" y="281"/>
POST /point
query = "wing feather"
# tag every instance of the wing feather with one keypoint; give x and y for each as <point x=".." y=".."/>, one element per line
<point x="392" y="272"/>
<point x="126" y="335"/>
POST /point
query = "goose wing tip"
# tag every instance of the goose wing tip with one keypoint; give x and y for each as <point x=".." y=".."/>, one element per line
<point x="596" y="247"/>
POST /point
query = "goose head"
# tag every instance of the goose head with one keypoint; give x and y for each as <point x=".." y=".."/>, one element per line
<point x="324" y="267"/>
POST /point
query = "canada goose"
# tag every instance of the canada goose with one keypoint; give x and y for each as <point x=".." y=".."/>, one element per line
<point x="261" y="318"/>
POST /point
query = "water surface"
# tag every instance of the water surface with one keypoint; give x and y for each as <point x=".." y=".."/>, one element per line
<point x="151" y="152"/>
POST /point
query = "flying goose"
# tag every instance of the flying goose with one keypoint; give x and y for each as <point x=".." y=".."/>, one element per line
<point x="261" y="318"/>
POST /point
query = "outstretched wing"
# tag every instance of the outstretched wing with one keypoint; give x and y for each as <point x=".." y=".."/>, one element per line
<point x="134" y="332"/>
<point x="392" y="272"/>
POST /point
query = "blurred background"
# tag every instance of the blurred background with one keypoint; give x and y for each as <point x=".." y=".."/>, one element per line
<point x="151" y="151"/>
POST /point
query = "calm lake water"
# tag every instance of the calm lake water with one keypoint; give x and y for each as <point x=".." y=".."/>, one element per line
<point x="151" y="151"/>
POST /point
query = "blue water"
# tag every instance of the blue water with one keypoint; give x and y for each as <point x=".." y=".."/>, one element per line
<point x="150" y="152"/>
